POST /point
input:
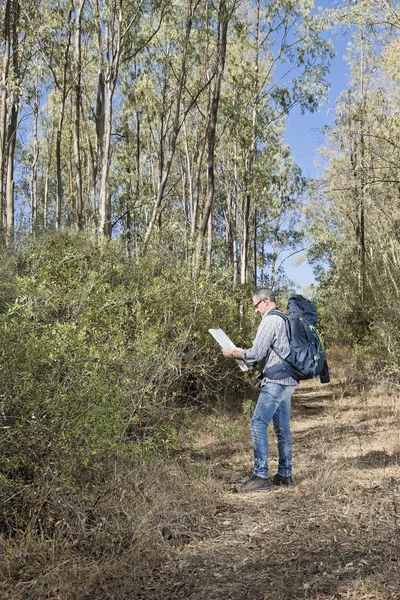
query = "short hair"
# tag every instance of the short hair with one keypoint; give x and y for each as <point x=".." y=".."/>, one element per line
<point x="264" y="293"/>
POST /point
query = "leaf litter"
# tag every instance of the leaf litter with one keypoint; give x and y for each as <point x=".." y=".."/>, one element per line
<point x="334" y="534"/>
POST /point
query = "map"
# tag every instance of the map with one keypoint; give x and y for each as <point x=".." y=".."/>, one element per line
<point x="225" y="342"/>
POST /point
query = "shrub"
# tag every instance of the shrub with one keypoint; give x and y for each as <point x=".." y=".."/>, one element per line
<point x="103" y="355"/>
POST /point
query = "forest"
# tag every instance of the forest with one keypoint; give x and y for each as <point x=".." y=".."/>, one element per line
<point x="146" y="191"/>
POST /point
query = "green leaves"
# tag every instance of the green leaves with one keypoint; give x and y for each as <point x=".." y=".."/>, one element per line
<point x="100" y="354"/>
<point x="353" y="210"/>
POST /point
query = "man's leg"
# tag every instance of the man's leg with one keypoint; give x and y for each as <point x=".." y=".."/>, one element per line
<point x="264" y="411"/>
<point x="281" y="421"/>
<point x="267" y="405"/>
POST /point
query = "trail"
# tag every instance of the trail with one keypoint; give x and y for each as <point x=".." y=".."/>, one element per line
<point x="334" y="534"/>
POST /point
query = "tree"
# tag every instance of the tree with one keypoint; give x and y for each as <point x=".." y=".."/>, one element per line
<point x="3" y="110"/>
<point x="212" y="115"/>
<point x="171" y="112"/>
<point x="112" y="49"/>
<point x="356" y="232"/>
<point x="13" y="121"/>
<point x="77" y="115"/>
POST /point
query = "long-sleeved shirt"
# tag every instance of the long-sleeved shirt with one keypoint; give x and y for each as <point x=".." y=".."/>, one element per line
<point x="270" y="332"/>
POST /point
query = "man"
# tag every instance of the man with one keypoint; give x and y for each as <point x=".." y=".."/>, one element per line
<point x="275" y="396"/>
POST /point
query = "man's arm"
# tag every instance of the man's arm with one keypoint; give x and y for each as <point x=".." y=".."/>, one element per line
<point x="266" y="335"/>
<point x="235" y="353"/>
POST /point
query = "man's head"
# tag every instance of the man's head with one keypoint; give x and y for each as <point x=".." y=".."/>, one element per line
<point x="264" y="300"/>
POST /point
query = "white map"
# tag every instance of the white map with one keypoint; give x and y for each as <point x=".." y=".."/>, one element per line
<point x="225" y="342"/>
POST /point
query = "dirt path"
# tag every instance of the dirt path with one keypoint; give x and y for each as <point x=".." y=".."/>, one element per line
<point x="334" y="534"/>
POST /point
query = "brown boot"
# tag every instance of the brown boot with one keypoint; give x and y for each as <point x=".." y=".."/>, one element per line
<point x="281" y="480"/>
<point x="254" y="484"/>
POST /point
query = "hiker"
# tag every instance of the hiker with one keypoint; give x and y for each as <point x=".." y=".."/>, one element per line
<point x="275" y="396"/>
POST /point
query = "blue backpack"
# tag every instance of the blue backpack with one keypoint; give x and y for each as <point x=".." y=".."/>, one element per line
<point x="307" y="357"/>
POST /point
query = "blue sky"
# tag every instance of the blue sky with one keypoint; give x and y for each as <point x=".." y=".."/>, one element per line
<point x="304" y="136"/>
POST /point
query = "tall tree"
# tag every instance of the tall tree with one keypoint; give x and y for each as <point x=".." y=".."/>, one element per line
<point x="3" y="110"/>
<point x="119" y="22"/>
<point x="172" y="117"/>
<point x="212" y="116"/>
<point x="77" y="115"/>
<point x="356" y="235"/>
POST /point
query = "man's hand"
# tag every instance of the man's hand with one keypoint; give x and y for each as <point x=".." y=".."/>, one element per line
<point x="228" y="353"/>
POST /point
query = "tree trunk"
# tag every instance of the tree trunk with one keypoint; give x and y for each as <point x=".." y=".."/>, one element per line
<point x="77" y="119"/>
<point x="189" y="173"/>
<point x="46" y="193"/>
<point x="114" y="45"/>
<point x="105" y="198"/>
<point x="34" y="175"/>
<point x="228" y="226"/>
<point x="244" y="265"/>
<point x="137" y="157"/>
<point x="235" y="217"/>
<point x="175" y="131"/>
<point x="255" y="249"/>
<point x="209" y="243"/>
<point x="3" y="110"/>
<point x="362" y="186"/>
<point x="244" y="259"/>
<point x="115" y="36"/>
<point x="96" y="149"/>
<point x="63" y="97"/>
<point x="223" y="21"/>
<point x="12" y="131"/>
<point x="12" y="138"/>
<point x="92" y="178"/>
<point x="197" y="192"/>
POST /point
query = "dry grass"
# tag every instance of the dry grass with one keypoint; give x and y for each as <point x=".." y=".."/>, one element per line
<point x="179" y="532"/>
<point x="110" y="547"/>
<point x="335" y="534"/>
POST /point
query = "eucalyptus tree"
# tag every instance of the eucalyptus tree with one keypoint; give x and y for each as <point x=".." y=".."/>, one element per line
<point x="33" y="219"/>
<point x="6" y="47"/>
<point x="121" y="22"/>
<point x="172" y="78"/>
<point x="224" y="14"/>
<point x="276" y="60"/>
<point x="277" y="228"/>
<point x="77" y="113"/>
<point x="166" y="91"/>
<point x="383" y="14"/>
<point x="374" y="28"/>
<point x="355" y="217"/>
<point x="19" y="48"/>
<point x="113" y="26"/>
<point x="291" y="61"/>
<point x="13" y="118"/>
<point x="55" y="42"/>
<point x="373" y="25"/>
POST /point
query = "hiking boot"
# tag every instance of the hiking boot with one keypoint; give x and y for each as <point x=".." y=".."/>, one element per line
<point x="281" y="480"/>
<point x="254" y="484"/>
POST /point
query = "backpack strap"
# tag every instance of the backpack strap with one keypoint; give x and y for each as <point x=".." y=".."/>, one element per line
<point x="278" y="313"/>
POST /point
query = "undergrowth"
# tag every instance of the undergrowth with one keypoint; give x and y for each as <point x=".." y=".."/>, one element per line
<point x="104" y="358"/>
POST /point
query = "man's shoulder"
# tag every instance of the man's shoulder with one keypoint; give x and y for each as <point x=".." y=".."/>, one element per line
<point x="274" y="315"/>
<point x="270" y="322"/>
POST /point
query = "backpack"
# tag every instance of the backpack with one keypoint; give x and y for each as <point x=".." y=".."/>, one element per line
<point x="307" y="357"/>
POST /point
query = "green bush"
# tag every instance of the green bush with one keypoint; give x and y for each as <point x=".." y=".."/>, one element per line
<point x="104" y="355"/>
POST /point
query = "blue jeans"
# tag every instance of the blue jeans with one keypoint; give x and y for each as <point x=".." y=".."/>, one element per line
<point x="273" y="404"/>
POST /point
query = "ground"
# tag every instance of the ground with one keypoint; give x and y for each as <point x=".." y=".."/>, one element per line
<point x="334" y="534"/>
<point x="175" y="530"/>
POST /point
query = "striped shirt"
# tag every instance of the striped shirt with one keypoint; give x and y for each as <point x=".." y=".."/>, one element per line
<point x="270" y="332"/>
